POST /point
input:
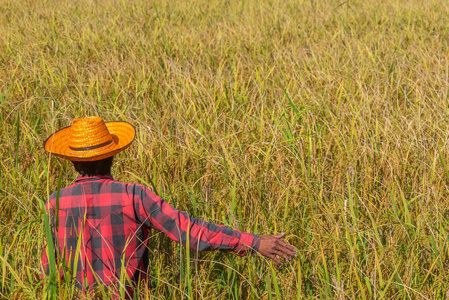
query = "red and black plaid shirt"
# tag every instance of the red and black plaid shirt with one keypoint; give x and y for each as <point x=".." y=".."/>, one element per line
<point x="113" y="220"/>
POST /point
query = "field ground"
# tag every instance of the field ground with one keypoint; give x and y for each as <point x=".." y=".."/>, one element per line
<point x="324" y="119"/>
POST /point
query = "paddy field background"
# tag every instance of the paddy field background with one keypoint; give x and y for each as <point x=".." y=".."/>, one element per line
<point x="326" y="120"/>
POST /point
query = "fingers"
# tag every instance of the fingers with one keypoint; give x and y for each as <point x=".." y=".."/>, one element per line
<point x="276" y="260"/>
<point x="283" y="255"/>
<point x="284" y="247"/>
<point x="272" y="247"/>
<point x="287" y="245"/>
<point x="279" y="235"/>
<point x="282" y="243"/>
<point x="287" y="250"/>
<point x="279" y="254"/>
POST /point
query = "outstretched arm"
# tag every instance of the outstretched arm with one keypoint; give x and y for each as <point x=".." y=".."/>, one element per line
<point x="156" y="213"/>
<point x="202" y="235"/>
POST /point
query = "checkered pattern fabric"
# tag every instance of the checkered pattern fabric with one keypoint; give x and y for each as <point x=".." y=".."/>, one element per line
<point x="108" y="223"/>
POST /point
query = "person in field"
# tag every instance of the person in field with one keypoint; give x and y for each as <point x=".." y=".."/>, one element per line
<point x="107" y="223"/>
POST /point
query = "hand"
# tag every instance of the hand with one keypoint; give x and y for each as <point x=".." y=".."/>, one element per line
<point x="272" y="247"/>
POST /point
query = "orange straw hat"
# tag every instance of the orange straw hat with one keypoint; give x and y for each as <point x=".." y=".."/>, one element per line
<point x="90" y="138"/>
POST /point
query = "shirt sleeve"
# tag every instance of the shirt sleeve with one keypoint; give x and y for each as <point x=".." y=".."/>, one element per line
<point x="156" y="213"/>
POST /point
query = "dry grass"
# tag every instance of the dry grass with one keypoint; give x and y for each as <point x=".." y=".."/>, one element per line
<point x="326" y="120"/>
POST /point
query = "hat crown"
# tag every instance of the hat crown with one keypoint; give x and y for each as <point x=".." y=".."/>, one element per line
<point x="89" y="133"/>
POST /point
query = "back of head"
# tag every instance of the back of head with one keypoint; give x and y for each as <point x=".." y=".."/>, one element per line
<point x="92" y="168"/>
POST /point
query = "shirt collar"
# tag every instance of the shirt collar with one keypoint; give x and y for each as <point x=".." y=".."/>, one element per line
<point x="95" y="177"/>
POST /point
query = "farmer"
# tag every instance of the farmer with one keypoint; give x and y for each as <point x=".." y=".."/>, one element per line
<point x="107" y="223"/>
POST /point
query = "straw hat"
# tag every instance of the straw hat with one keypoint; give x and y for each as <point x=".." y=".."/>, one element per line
<point x="90" y="138"/>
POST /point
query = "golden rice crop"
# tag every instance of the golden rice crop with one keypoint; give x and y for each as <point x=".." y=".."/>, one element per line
<point x="327" y="120"/>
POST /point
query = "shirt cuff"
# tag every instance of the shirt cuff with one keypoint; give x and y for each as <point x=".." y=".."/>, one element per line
<point x="248" y="244"/>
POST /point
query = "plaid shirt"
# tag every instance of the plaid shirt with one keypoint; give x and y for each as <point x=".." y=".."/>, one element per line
<point x="113" y="220"/>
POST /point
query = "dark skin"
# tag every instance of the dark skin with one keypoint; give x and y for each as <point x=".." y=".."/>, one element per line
<point x="273" y="247"/>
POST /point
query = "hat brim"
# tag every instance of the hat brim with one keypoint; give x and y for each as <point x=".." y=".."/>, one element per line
<point x="123" y="134"/>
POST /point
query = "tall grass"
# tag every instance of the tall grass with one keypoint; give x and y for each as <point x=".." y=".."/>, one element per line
<point x="326" y="120"/>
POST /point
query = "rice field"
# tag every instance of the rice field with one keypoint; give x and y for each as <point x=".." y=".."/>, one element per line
<point x="323" y="119"/>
